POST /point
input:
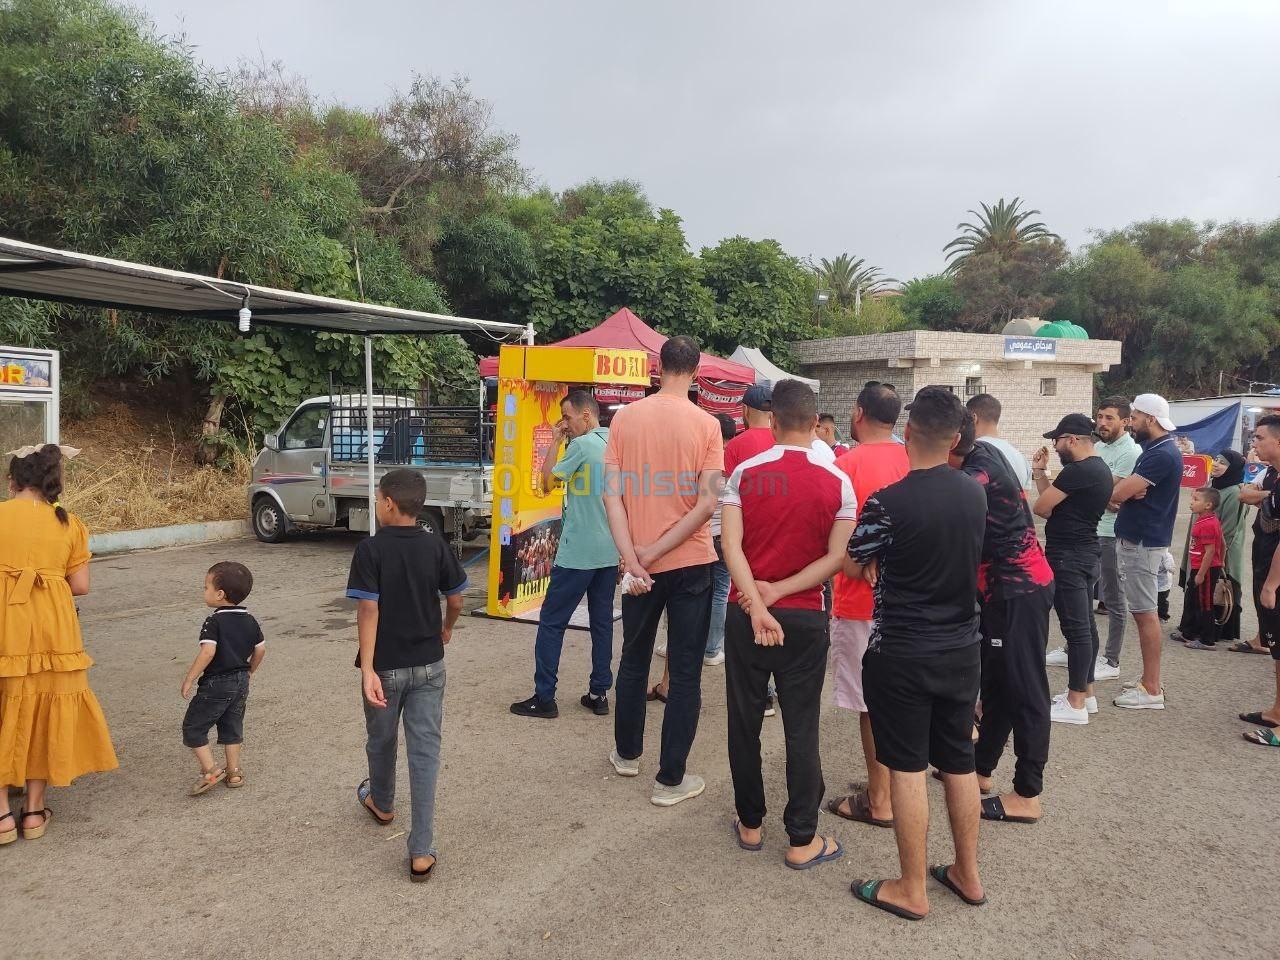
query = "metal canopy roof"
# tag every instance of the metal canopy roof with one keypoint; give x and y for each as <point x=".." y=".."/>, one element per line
<point x="27" y="270"/>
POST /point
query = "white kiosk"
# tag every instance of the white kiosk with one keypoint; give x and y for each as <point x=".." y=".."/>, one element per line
<point x="28" y="399"/>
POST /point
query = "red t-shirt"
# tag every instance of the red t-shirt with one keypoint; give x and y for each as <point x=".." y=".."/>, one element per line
<point x="789" y="498"/>
<point x="1207" y="532"/>
<point x="746" y="445"/>
<point x="870" y="467"/>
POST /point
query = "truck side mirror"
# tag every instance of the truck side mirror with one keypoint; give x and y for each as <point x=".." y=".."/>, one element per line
<point x="270" y="442"/>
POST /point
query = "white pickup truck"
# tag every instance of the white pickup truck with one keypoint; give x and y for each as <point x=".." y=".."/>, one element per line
<point x="314" y="472"/>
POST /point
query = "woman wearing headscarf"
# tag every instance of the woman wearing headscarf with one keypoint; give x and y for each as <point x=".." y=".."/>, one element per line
<point x="51" y="727"/>
<point x="1228" y="475"/>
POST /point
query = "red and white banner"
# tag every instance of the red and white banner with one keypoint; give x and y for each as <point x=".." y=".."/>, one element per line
<point x="721" y="396"/>
<point x="617" y="393"/>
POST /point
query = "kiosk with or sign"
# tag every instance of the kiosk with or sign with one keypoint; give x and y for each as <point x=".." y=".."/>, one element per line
<point x="526" y="520"/>
<point x="28" y="398"/>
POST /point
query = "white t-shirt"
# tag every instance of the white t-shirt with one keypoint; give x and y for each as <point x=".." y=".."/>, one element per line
<point x="825" y="453"/>
<point x="1012" y="456"/>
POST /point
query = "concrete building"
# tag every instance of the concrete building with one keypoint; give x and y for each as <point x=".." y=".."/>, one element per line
<point x="1038" y="380"/>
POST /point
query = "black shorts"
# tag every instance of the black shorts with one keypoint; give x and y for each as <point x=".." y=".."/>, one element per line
<point x="922" y="709"/>
<point x="218" y="701"/>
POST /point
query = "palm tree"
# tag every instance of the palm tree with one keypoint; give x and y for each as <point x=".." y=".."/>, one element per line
<point x="849" y="278"/>
<point x="1001" y="229"/>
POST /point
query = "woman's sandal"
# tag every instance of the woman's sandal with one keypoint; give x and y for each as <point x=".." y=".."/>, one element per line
<point x="421" y="876"/>
<point x="208" y="779"/>
<point x="35" y="833"/>
<point x="8" y="836"/>
<point x="235" y="778"/>
<point x="363" y="792"/>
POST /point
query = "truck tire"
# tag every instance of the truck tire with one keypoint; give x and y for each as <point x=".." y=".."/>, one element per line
<point x="269" y="522"/>
<point x="432" y="521"/>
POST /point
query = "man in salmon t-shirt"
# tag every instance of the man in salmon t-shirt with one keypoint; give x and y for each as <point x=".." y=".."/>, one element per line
<point x="877" y="461"/>
<point x="663" y="464"/>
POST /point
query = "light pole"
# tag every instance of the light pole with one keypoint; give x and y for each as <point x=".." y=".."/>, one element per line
<point x="819" y="298"/>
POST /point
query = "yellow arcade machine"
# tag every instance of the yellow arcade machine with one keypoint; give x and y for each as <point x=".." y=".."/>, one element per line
<point x="526" y="521"/>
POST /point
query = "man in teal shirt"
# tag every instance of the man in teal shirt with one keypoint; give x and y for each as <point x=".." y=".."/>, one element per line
<point x="586" y="559"/>
<point x="1120" y="452"/>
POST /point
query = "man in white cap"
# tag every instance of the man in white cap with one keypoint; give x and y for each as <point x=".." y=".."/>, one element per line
<point x="1148" y="500"/>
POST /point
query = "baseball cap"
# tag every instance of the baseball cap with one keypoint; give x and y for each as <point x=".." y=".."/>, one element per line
<point x="1154" y="405"/>
<point x="759" y="396"/>
<point x="1073" y="424"/>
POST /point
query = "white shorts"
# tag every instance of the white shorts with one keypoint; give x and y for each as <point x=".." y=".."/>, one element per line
<point x="849" y="640"/>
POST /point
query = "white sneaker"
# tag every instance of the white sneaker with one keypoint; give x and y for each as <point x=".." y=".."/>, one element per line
<point x="1056" y="658"/>
<point x="1105" y="671"/>
<point x="624" y="768"/>
<point x="1063" y="712"/>
<point x="769" y="709"/>
<point x="663" y="796"/>
<point x="714" y="660"/>
<point x="1091" y="705"/>
<point x="1137" y="698"/>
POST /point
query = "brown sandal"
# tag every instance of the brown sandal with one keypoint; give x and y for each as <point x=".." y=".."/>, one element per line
<point x="8" y="836"/>
<point x="235" y="778"/>
<point x="35" y="833"/>
<point x="656" y="694"/>
<point x="208" y="779"/>
<point x="859" y="809"/>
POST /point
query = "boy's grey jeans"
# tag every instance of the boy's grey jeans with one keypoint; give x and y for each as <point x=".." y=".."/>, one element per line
<point x="417" y="694"/>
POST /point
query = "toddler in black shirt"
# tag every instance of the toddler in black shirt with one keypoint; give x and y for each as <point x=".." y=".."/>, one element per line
<point x="231" y="649"/>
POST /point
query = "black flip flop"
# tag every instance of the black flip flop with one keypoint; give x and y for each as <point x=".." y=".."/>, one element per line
<point x="362" y="792"/>
<point x="737" y="835"/>
<point x="1257" y="719"/>
<point x="937" y="775"/>
<point x="421" y="876"/>
<point x="941" y="874"/>
<point x="868" y="892"/>
<point x="1262" y="737"/>
<point x="859" y="810"/>
<point x="993" y="809"/>
<point x="656" y="694"/>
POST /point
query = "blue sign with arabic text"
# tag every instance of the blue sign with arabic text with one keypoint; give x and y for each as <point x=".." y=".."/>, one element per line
<point x="1030" y="348"/>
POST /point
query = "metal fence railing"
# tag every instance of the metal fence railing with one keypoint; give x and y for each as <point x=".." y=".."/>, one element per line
<point x="407" y="431"/>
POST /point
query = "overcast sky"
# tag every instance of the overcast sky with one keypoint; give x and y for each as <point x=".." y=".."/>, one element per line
<point x="862" y="127"/>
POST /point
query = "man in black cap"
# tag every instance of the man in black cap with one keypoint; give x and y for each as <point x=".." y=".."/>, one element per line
<point x="1072" y="503"/>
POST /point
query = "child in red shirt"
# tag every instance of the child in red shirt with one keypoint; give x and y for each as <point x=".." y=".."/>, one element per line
<point x="1207" y="551"/>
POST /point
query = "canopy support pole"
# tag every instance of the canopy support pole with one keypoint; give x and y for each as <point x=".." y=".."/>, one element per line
<point x="368" y="433"/>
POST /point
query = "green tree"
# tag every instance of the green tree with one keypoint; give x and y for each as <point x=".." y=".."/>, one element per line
<point x="845" y="276"/>
<point x="998" y="285"/>
<point x="1001" y="230"/>
<point x="763" y="297"/>
<point x="932" y="302"/>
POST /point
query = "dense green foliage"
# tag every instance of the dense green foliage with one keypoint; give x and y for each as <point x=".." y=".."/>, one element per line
<point x="114" y="141"/>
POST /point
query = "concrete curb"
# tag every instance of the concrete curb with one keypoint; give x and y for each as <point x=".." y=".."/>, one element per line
<point x="104" y="544"/>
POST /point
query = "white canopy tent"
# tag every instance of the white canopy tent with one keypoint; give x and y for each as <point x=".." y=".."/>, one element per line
<point x="43" y="273"/>
<point x="766" y="370"/>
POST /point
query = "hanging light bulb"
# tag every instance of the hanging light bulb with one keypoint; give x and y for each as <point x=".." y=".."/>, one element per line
<point x="246" y="316"/>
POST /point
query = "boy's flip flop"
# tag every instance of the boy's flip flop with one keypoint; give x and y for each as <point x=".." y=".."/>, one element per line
<point x="993" y="809"/>
<point x="821" y="857"/>
<point x="1263" y="737"/>
<point x="737" y="835"/>
<point x="859" y="809"/>
<point x="868" y="891"/>
<point x="942" y="873"/>
<point x="362" y="794"/>
<point x="1258" y="720"/>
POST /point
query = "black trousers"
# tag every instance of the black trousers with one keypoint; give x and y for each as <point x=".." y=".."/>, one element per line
<point x="1198" y="615"/>
<point x="1076" y="571"/>
<point x="1015" y="688"/>
<point x="798" y="668"/>
<point x="685" y="595"/>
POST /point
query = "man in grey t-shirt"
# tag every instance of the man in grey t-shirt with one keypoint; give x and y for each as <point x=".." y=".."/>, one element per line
<point x="986" y="415"/>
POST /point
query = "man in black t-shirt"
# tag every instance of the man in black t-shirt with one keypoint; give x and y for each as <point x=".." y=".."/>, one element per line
<point x="398" y="577"/>
<point x="1266" y="575"/>
<point x="1015" y="586"/>
<point x="919" y="542"/>
<point x="1073" y="503"/>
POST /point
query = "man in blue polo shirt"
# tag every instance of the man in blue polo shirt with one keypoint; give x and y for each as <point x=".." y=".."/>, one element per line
<point x="586" y="560"/>
<point x="1148" y="500"/>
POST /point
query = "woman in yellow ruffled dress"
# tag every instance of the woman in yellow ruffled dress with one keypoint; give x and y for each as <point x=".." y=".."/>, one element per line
<point x="51" y="727"/>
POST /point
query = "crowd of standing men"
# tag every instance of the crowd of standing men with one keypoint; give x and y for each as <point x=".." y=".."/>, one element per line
<point x="911" y="567"/>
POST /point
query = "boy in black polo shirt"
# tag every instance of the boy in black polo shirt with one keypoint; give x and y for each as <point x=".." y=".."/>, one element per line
<point x="919" y="542"/>
<point x="397" y="577"/>
<point x="231" y="648"/>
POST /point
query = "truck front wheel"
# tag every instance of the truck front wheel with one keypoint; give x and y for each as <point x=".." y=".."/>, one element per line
<point x="269" y="521"/>
<point x="432" y="521"/>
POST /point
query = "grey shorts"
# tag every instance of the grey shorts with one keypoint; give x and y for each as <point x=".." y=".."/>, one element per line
<point x="1139" y="575"/>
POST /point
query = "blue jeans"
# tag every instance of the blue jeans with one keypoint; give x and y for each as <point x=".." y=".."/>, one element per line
<point x="685" y="595"/>
<point x="563" y="596"/>
<point x="417" y="695"/>
<point x="719" y="602"/>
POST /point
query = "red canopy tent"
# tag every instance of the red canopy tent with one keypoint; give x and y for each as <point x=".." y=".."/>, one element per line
<point x="721" y="382"/>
